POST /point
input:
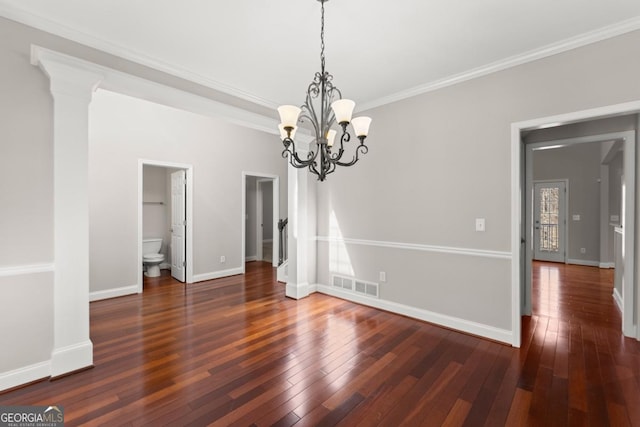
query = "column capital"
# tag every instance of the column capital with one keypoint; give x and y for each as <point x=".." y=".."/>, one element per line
<point x="68" y="76"/>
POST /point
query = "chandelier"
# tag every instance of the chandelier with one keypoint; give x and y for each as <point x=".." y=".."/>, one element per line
<point x="324" y="155"/>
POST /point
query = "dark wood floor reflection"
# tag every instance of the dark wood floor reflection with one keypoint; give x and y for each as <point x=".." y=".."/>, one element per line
<point x="236" y="351"/>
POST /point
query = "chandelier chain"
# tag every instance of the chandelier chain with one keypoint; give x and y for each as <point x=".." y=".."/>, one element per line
<point x="322" y="38"/>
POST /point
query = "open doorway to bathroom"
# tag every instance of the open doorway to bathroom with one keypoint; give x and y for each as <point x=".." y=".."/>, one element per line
<point x="164" y="223"/>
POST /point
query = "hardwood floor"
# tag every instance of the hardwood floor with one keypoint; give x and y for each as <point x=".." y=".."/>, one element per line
<point x="236" y="351"/>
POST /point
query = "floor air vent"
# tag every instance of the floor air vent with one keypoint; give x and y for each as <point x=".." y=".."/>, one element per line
<point x="354" y="285"/>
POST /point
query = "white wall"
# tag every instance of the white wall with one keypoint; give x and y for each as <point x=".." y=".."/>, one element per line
<point x="438" y="161"/>
<point x="125" y="129"/>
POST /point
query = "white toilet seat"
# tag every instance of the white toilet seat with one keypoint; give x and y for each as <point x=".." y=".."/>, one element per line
<point x="153" y="258"/>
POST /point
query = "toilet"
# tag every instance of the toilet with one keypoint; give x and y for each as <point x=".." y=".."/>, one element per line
<point x="151" y="256"/>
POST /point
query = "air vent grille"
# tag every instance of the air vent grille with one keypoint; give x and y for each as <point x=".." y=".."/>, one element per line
<point x="357" y="286"/>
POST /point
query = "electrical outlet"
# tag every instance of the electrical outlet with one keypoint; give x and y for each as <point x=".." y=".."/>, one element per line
<point x="223" y="259"/>
<point x="480" y="224"/>
<point x="583" y="250"/>
<point x="383" y="276"/>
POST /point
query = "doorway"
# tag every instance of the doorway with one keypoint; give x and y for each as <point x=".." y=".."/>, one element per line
<point x="165" y="212"/>
<point x="522" y="192"/>
<point x="549" y="221"/>
<point x="260" y="214"/>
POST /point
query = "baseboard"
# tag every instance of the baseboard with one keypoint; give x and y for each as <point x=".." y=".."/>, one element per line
<point x="25" y="375"/>
<point x="71" y="358"/>
<point x="217" y="274"/>
<point x="463" y="325"/>
<point x="251" y="258"/>
<point x="113" y="293"/>
<point x="584" y="262"/>
<point x="618" y="299"/>
<point x="297" y="291"/>
<point x="165" y="266"/>
<point x="607" y="265"/>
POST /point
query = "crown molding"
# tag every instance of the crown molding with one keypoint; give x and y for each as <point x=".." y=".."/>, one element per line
<point x="513" y="61"/>
<point x="141" y="58"/>
<point x="53" y="27"/>
<point x="138" y="87"/>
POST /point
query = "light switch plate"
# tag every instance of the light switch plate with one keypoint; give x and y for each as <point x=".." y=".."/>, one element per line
<point x="480" y="226"/>
<point x="576" y="217"/>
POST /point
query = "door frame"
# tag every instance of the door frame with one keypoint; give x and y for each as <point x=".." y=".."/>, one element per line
<point x="529" y="212"/>
<point x="519" y="262"/>
<point x="189" y="214"/>
<point x="276" y="213"/>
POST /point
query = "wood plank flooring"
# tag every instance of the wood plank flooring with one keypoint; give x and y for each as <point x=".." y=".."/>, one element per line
<point x="236" y="351"/>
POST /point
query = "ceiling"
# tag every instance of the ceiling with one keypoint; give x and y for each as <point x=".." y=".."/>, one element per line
<point x="267" y="51"/>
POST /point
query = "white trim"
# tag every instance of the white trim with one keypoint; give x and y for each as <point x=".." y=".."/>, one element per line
<point x="418" y="247"/>
<point x="177" y="70"/>
<point x="21" y="270"/>
<point x="618" y="299"/>
<point x="584" y="262"/>
<point x="218" y="274"/>
<point x="463" y="325"/>
<point x="71" y="358"/>
<point x="298" y="290"/>
<point x="113" y="293"/>
<point x="604" y="33"/>
<point x="517" y="279"/>
<point x="189" y="217"/>
<point x="138" y="87"/>
<point x="25" y="375"/>
<point x="607" y="265"/>
<point x="251" y="258"/>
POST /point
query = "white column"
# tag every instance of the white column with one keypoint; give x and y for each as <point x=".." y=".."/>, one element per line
<point x="72" y="89"/>
<point x="298" y="242"/>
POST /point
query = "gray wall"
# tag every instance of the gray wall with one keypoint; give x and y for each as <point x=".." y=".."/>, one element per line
<point x="124" y="130"/>
<point x="26" y="192"/>
<point x="439" y="160"/>
<point x="267" y="210"/>
<point x="250" y="223"/>
<point x="580" y="165"/>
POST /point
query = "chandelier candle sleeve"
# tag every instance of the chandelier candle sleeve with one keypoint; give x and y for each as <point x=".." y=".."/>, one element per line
<point x="323" y="108"/>
<point x="331" y="136"/>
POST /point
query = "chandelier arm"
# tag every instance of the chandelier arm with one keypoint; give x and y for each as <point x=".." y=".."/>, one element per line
<point x="290" y="148"/>
<point x="346" y="137"/>
<point x="360" y="149"/>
